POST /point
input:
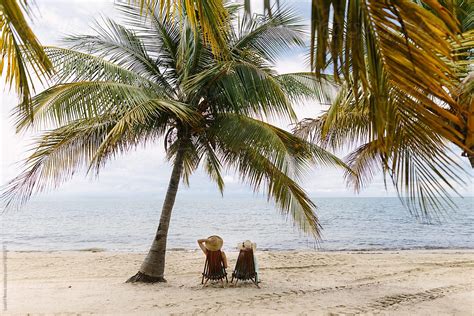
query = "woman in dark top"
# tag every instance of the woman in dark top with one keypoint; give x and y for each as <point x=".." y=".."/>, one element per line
<point x="216" y="260"/>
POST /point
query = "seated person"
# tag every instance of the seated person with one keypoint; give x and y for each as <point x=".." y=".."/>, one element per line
<point x="246" y="267"/>
<point x="216" y="260"/>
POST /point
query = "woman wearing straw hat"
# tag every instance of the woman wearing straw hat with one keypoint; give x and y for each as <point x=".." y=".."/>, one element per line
<point x="213" y="243"/>
<point x="246" y="267"/>
<point x="216" y="261"/>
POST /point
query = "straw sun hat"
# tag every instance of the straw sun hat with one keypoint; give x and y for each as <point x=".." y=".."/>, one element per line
<point x="214" y="243"/>
<point x="247" y="245"/>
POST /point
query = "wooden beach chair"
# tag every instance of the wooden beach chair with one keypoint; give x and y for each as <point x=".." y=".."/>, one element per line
<point x="245" y="268"/>
<point x="214" y="269"/>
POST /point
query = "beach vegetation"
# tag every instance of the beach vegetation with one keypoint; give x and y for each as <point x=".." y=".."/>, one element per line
<point x="406" y="95"/>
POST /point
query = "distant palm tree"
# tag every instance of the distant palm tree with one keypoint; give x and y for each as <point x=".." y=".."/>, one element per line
<point x="158" y="80"/>
<point x="396" y="117"/>
<point x="20" y="49"/>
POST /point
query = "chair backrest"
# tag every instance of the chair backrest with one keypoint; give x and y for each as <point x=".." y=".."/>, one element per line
<point x="245" y="266"/>
<point x="214" y="266"/>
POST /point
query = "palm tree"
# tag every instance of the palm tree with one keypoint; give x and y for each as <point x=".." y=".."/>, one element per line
<point x="20" y="49"/>
<point x="405" y="133"/>
<point x="157" y="80"/>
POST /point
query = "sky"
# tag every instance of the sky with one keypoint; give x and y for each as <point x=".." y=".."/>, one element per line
<point x="145" y="170"/>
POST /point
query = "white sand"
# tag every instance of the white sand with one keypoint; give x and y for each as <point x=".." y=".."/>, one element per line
<point x="405" y="282"/>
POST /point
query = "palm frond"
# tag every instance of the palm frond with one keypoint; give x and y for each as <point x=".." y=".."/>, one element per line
<point x="209" y="16"/>
<point x="122" y="47"/>
<point x="284" y="30"/>
<point x="244" y="88"/>
<point x="213" y="167"/>
<point x="85" y="99"/>
<point x="345" y="123"/>
<point x="57" y="156"/>
<point x="75" y="66"/>
<point x="365" y="163"/>
<point x="88" y="142"/>
<point x="264" y="155"/>
<point x="268" y="167"/>
<point x="159" y="33"/>
<point x="394" y="140"/>
<point x="306" y="85"/>
<point x="156" y="115"/>
<point x="20" y="50"/>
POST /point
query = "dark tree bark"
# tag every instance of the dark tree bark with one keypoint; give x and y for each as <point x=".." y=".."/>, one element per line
<point x="153" y="267"/>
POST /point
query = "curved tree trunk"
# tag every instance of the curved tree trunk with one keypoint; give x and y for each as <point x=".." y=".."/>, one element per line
<point x="153" y="267"/>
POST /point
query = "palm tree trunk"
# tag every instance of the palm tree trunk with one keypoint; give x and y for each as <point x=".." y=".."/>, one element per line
<point x="153" y="267"/>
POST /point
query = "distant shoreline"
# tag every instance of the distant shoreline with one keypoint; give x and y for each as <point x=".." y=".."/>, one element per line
<point x="103" y="250"/>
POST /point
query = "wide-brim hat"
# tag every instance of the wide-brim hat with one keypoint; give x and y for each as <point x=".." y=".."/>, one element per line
<point x="214" y="243"/>
<point x="246" y="245"/>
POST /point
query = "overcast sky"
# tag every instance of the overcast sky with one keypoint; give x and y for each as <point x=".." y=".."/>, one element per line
<point x="145" y="170"/>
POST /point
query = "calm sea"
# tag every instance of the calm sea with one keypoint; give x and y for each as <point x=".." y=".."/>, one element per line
<point x="129" y="225"/>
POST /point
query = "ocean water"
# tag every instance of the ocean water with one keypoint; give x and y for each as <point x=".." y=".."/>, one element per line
<point x="129" y="225"/>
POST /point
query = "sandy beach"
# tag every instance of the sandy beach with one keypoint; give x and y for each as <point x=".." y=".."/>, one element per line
<point x="318" y="283"/>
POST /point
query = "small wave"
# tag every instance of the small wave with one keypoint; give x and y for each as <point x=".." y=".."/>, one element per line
<point x="93" y="249"/>
<point x="397" y="248"/>
<point x="177" y="249"/>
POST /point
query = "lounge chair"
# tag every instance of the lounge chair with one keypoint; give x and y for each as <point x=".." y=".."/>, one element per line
<point x="214" y="269"/>
<point x="245" y="268"/>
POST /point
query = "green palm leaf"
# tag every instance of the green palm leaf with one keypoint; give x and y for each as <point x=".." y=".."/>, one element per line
<point x="20" y="49"/>
<point x="411" y="155"/>
<point x="85" y="99"/>
<point x="209" y="16"/>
